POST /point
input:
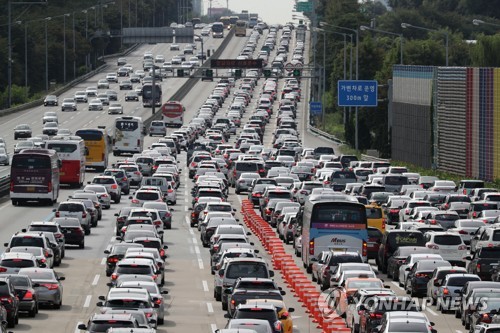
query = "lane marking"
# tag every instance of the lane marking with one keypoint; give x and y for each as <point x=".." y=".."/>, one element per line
<point x="87" y="301"/>
<point x="239" y="199"/>
<point x="96" y="279"/>
<point x="195" y="241"/>
<point x="213" y="327"/>
<point x="103" y="261"/>
<point x="431" y="312"/>
<point x="197" y="250"/>
<point x="210" y="308"/>
<point x="191" y="232"/>
<point x="205" y="285"/>
<point x="187" y="220"/>
<point x="200" y="264"/>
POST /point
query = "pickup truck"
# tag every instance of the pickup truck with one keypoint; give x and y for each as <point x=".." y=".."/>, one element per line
<point x="483" y="261"/>
<point x="251" y="288"/>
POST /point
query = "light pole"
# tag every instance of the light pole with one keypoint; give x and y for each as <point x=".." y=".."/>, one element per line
<point x="47" y="19"/>
<point x="202" y="54"/>
<point x="365" y="28"/>
<point x="9" y="55"/>
<point x="479" y="22"/>
<point x="356" y="136"/>
<point x="64" y="47"/>
<point x="74" y="47"/>
<point x="408" y="25"/>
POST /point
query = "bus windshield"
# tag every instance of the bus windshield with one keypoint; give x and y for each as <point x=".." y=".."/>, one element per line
<point x="338" y="216"/>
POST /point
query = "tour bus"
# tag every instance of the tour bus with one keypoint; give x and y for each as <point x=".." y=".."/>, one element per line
<point x="253" y="22"/>
<point x="97" y="143"/>
<point x="71" y="151"/>
<point x="173" y="113"/>
<point x="147" y="95"/>
<point x="241" y="28"/>
<point x="34" y="176"/>
<point x="226" y="21"/>
<point x="233" y="19"/>
<point x="333" y="225"/>
<point x="218" y="30"/>
<point x="128" y="137"/>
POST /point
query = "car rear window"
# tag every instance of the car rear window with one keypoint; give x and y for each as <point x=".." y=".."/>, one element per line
<point x="335" y="260"/>
<point x="373" y="213"/>
<point x="71" y="207"/>
<point x="343" y="175"/>
<point x="147" y="196"/>
<point x="487" y="252"/>
<point x="279" y="195"/>
<point x="134" y="269"/>
<point x="103" y="325"/>
<point x="496" y="235"/>
<point x="127" y="303"/>
<point x="448" y="240"/>
<point x="256" y="313"/>
<point x="27" y="241"/>
<point x="48" y="228"/>
<point x="103" y="181"/>
<point x="446" y="217"/>
<point x="247" y="166"/>
<point x="461" y="280"/>
<point x="246" y="269"/>
<point x="152" y="244"/>
<point x="407" y="326"/>
<point x="17" y="263"/>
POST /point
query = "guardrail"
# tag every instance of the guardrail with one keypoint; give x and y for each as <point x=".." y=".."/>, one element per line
<point x="4" y="184"/>
<point x="365" y="157"/>
<point x="191" y="82"/>
<point x="68" y="86"/>
<point x="326" y="135"/>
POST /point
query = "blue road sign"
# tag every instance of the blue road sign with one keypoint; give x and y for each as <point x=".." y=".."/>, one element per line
<point x="315" y="108"/>
<point x="357" y="93"/>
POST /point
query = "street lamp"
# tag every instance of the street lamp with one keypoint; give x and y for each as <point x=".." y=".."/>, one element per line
<point x="202" y="54"/>
<point x="365" y="28"/>
<point x="408" y="25"/>
<point x="47" y="19"/>
<point x="479" y="22"/>
<point x="64" y="47"/>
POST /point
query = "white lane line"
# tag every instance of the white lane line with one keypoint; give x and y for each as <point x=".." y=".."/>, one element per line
<point x="458" y="331"/>
<point x="210" y="308"/>
<point x="186" y="209"/>
<point x="187" y="220"/>
<point x="431" y="312"/>
<point x="185" y="192"/>
<point x="186" y="200"/>
<point x="397" y="285"/>
<point x="212" y="326"/>
<point x="195" y="241"/>
<point x="200" y="263"/>
<point x="197" y="249"/>
<point x="239" y="198"/>
<point x="87" y="301"/>
<point x="96" y="279"/>
<point x="205" y="285"/>
<point x="77" y="330"/>
<point x="103" y="261"/>
<point x="191" y="250"/>
<point x="4" y="206"/>
<point x="191" y="232"/>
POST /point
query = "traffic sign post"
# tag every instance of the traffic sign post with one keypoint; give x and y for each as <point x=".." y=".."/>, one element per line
<point x="315" y="109"/>
<point x="289" y="67"/>
<point x="304" y="6"/>
<point x="357" y="93"/>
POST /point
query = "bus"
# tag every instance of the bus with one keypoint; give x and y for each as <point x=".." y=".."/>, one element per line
<point x="71" y="151"/>
<point x="335" y="225"/>
<point x="218" y="30"/>
<point x="173" y="113"/>
<point x="97" y="143"/>
<point x="252" y="22"/>
<point x="233" y="19"/>
<point x="195" y="21"/>
<point x="128" y="136"/>
<point x="241" y="28"/>
<point x="34" y="176"/>
<point x="147" y="95"/>
<point x="226" y="21"/>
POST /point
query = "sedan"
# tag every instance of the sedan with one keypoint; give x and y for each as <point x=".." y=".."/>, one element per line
<point x="68" y="104"/>
<point x="23" y="145"/>
<point x="64" y="132"/>
<point x="115" y="108"/>
<point x="81" y="97"/>
<point x="50" y="128"/>
<point x="112" y="95"/>
<point x="131" y="96"/>
<point x="103" y="84"/>
<point x="22" y="131"/>
<point x="112" y="77"/>
<point x="50" y="100"/>
<point x="174" y="47"/>
<point x="95" y="105"/>
<point x="49" y="289"/>
<point x="126" y="85"/>
<point x="28" y="297"/>
<point x="245" y="181"/>
<point x="4" y="157"/>
<point x="104" y="98"/>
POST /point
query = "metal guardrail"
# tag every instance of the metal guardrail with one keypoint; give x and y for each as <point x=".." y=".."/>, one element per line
<point x="326" y="135"/>
<point x="4" y="184"/>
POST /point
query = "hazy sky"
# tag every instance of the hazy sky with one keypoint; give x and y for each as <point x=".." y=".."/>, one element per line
<point x="271" y="11"/>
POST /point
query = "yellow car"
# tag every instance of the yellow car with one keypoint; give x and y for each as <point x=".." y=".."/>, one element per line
<point x="284" y="314"/>
<point x="375" y="216"/>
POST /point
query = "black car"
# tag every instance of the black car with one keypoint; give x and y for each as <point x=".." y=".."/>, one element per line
<point x="115" y="254"/>
<point x="126" y="85"/>
<point x="73" y="232"/>
<point x="131" y="96"/>
<point x="25" y="291"/>
<point x="392" y="240"/>
<point x="9" y="300"/>
<point x="121" y="218"/>
<point x="50" y="100"/>
<point x="22" y="131"/>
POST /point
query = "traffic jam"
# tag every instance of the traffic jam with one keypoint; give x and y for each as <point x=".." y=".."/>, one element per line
<point x="385" y="248"/>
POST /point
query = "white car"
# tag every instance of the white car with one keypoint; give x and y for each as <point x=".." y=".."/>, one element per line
<point x="115" y="108"/>
<point x="81" y="96"/>
<point x="68" y="104"/>
<point x="112" y="77"/>
<point x="91" y="91"/>
<point x="95" y="105"/>
<point x="410" y="261"/>
<point x="103" y="84"/>
<point x="466" y="228"/>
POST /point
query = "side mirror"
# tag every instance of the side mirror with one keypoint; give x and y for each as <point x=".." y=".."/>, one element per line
<point x="101" y="298"/>
<point x="99" y="304"/>
<point x="249" y="233"/>
<point x="23" y="230"/>
<point x="468" y="258"/>
<point x="282" y="292"/>
<point x="110" y="284"/>
<point x="362" y="307"/>
<point x="42" y="265"/>
<point x="107" y="252"/>
<point x="130" y="197"/>
<point x="407" y="269"/>
<point x="6" y="244"/>
<point x="61" y="278"/>
<point x="221" y="272"/>
<point x="118" y="238"/>
<point x="164" y="292"/>
<point x="82" y="327"/>
<point x="116" y="214"/>
<point x="228" y="291"/>
<point x="290" y="310"/>
<point x="54" y="210"/>
<point x="271" y="273"/>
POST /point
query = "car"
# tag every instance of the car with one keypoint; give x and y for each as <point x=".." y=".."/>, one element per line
<point x="154" y="291"/>
<point x="126" y="85"/>
<point x="174" y="47"/>
<point x="111" y="77"/>
<point x="68" y="104"/>
<point x="73" y="232"/>
<point x="91" y="91"/>
<point x="12" y="262"/>
<point x="121" y="62"/>
<point x="122" y="71"/>
<point x="22" y="131"/>
<point x="50" y="100"/>
<point x="447" y="244"/>
<point x="96" y="105"/>
<point x="76" y="210"/>
<point x="112" y="95"/>
<point x="81" y="97"/>
<point x="188" y="49"/>
<point x="393" y="239"/>
<point x="141" y="196"/>
<point x="111" y="185"/>
<point x="23" y="145"/>
<point x="135" y="78"/>
<point x="450" y="288"/>
<point x="157" y="127"/>
<point x="47" y="285"/>
<point x="49" y="117"/>
<point x="160" y="58"/>
<point x="131" y="96"/>
<point x="115" y="108"/>
<point x="28" y="297"/>
<point x="103" y="84"/>
<point x="261" y="311"/>
<point x="4" y="157"/>
<point x="245" y="181"/>
<point x="398" y="258"/>
<point x="50" y="128"/>
<point x="104" y="98"/>
<point x="419" y="275"/>
<point x="10" y="302"/>
<point x="106" y="322"/>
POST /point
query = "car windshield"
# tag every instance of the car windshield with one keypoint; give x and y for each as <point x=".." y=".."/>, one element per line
<point x="460" y="281"/>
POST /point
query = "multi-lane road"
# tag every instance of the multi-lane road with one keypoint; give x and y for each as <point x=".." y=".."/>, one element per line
<point x="190" y="303"/>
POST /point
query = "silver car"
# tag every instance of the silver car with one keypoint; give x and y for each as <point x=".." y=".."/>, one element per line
<point x="155" y="292"/>
<point x="4" y="157"/>
<point x="12" y="262"/>
<point x="50" y="289"/>
<point x="133" y="173"/>
<point x="157" y="127"/>
<point x="102" y="194"/>
<point x="245" y="181"/>
<point x="68" y="104"/>
<point x="111" y="185"/>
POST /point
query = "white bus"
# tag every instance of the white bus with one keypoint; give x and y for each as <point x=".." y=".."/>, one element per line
<point x="128" y="136"/>
<point x="71" y="151"/>
<point x="218" y="30"/>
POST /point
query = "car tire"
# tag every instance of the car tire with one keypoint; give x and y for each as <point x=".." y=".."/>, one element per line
<point x="218" y="297"/>
<point x="224" y="306"/>
<point x="32" y="313"/>
<point x="58" y="305"/>
<point x="457" y="314"/>
<point x="82" y="245"/>
<point x="117" y="201"/>
<point x="87" y="231"/>
<point x="161" y="321"/>
<point x="11" y="322"/>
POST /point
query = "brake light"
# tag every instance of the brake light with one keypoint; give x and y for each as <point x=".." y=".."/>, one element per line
<point x="462" y="232"/>
<point x="50" y="286"/>
<point x="407" y="211"/>
<point x="125" y="179"/>
<point x="394" y="211"/>
<point x="3" y="269"/>
<point x="462" y="247"/>
<point x="113" y="260"/>
<point x="420" y="275"/>
<point x="474" y="214"/>
<point x="170" y="190"/>
<point x="58" y="235"/>
<point x="433" y="221"/>
<point x="84" y="215"/>
<point x="58" y="214"/>
<point x="159" y="301"/>
<point x="49" y="187"/>
<point x="28" y="296"/>
<point x="258" y="195"/>
<point x="268" y="211"/>
<point x="135" y="201"/>
<point x="433" y="247"/>
<point x="162" y="252"/>
<point x="167" y="214"/>
<point x="478" y="267"/>
<point x="375" y="315"/>
<point x="114" y="186"/>
<point x="12" y="186"/>
<point x="137" y="173"/>
<point x="114" y="276"/>
<point x="311" y="247"/>
<point x="485" y="318"/>
<point x="304" y="192"/>
<point x="149" y="314"/>
<point x="446" y="291"/>
<point x="6" y="299"/>
<point x="277" y="326"/>
<point x="365" y="249"/>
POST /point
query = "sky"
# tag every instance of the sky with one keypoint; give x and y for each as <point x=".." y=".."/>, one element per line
<point x="271" y="11"/>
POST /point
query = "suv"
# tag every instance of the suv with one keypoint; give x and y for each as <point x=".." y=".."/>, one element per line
<point x="111" y="185"/>
<point x="75" y="209"/>
<point x="121" y="178"/>
<point x="9" y="300"/>
<point x="240" y="167"/>
<point x="30" y="239"/>
<point x="392" y="240"/>
<point x="99" y="323"/>
<point x="262" y="311"/>
<point x="157" y="127"/>
<point x="447" y="244"/>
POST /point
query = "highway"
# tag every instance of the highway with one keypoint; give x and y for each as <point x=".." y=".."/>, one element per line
<point x="190" y="303"/>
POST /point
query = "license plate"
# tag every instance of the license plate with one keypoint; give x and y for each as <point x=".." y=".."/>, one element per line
<point x="62" y="173"/>
<point x="125" y="144"/>
<point x="337" y="249"/>
<point x="30" y="189"/>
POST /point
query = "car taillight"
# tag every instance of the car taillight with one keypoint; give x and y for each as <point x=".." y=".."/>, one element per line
<point x="194" y="164"/>
<point x="446" y="291"/>
<point x="58" y="235"/>
<point x="277" y="326"/>
<point x="3" y="269"/>
<point x="12" y="186"/>
<point x="6" y="300"/>
<point x="365" y="249"/>
<point x="114" y="276"/>
<point x="49" y="187"/>
<point x="463" y="232"/>
<point x="114" y="186"/>
<point x="420" y="275"/>
<point x="375" y="315"/>
<point x="137" y="173"/>
<point x="58" y="214"/>
<point x="84" y="215"/>
<point x="149" y="314"/>
<point x="50" y="286"/>
<point x="432" y="221"/>
<point x="113" y="260"/>
<point x="167" y="214"/>
<point x="28" y="296"/>
<point x="311" y="247"/>
<point x="158" y="301"/>
<point x="462" y="247"/>
<point x="485" y="318"/>
<point x="433" y="247"/>
<point x="257" y="195"/>
<point x="170" y="190"/>
<point x="125" y="179"/>
<point x="304" y="192"/>
<point x="80" y="231"/>
<point x="135" y="201"/>
<point x="394" y="211"/>
<point x="407" y="211"/>
<point x="267" y="211"/>
<point x="162" y="252"/>
<point x="474" y="214"/>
